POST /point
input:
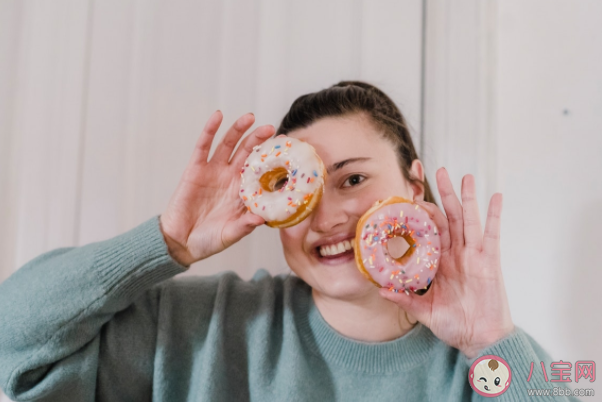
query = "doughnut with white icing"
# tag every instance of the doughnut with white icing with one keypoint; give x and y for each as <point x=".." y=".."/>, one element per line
<point x="282" y="180"/>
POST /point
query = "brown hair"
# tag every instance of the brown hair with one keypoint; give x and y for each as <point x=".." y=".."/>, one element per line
<point x="493" y="364"/>
<point x="357" y="97"/>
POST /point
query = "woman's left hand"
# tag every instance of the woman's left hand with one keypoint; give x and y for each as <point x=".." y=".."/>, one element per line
<point x="466" y="305"/>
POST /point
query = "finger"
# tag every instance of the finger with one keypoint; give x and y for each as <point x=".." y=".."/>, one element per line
<point x="226" y="146"/>
<point x="441" y="223"/>
<point x="452" y="206"/>
<point x="491" y="238"/>
<point x="203" y="144"/>
<point x="473" y="234"/>
<point x="235" y="230"/>
<point x="258" y="136"/>
<point x="415" y="305"/>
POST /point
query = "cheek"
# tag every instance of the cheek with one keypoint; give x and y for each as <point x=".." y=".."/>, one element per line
<point x="292" y="238"/>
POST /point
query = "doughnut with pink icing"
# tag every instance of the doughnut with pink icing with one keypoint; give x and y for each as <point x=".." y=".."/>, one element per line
<point x="397" y="245"/>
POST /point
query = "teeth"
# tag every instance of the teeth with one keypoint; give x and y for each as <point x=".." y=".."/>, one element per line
<point x="334" y="249"/>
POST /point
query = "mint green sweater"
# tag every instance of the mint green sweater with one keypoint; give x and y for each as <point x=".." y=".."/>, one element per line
<point x="106" y="322"/>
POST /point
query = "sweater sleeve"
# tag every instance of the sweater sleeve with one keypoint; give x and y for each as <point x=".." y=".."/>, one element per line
<point x="53" y="312"/>
<point x="519" y="350"/>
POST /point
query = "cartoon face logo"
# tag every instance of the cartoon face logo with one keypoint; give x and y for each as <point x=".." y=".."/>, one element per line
<point x="490" y="376"/>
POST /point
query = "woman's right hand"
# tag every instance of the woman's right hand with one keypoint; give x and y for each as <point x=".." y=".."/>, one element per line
<point x="205" y="214"/>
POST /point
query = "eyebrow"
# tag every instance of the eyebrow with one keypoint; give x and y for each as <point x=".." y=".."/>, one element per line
<point x="336" y="166"/>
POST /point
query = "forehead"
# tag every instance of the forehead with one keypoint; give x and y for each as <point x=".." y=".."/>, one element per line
<point x="340" y="138"/>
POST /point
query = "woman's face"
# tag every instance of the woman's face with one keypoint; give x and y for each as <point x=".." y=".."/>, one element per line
<point x="362" y="168"/>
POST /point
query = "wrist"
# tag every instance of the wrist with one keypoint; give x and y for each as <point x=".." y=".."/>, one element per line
<point x="473" y="350"/>
<point x="176" y="250"/>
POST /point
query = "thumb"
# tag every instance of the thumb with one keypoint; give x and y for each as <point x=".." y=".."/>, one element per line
<point x="418" y="306"/>
<point x="236" y="230"/>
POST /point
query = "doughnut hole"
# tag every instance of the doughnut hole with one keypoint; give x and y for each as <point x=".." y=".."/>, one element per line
<point x="401" y="248"/>
<point x="274" y="180"/>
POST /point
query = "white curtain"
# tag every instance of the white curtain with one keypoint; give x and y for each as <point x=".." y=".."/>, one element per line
<point x="103" y="101"/>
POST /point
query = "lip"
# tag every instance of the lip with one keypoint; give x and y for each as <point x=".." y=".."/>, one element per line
<point x="331" y="240"/>
<point x="339" y="258"/>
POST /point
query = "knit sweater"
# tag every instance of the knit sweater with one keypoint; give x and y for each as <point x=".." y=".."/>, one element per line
<point x="107" y="322"/>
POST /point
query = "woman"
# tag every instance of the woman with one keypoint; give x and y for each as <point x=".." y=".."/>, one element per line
<point x="106" y="322"/>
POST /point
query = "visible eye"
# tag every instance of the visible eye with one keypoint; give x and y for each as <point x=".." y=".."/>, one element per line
<point x="497" y="381"/>
<point x="353" y="180"/>
<point x="483" y="378"/>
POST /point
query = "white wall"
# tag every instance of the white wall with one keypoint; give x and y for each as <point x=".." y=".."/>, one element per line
<point x="550" y="162"/>
<point x="514" y="96"/>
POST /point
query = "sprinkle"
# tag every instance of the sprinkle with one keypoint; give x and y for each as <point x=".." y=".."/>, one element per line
<point x="428" y="281"/>
<point x="418" y="260"/>
<point x="260" y="191"/>
<point x="401" y="214"/>
<point x="302" y="175"/>
<point x="263" y="209"/>
<point x="288" y="144"/>
<point x="287" y="162"/>
<point x="308" y="179"/>
<point x="315" y="173"/>
<point x="244" y="197"/>
<point x="249" y="208"/>
<point x="294" y="172"/>
<point x="264" y="155"/>
<point x="277" y="146"/>
<point x="252" y="168"/>
<point x="416" y="207"/>
<point x="407" y="293"/>
<point x="409" y="280"/>
<point x="242" y="190"/>
<point x="255" y="205"/>
<point x="416" y="276"/>
<point x="278" y="153"/>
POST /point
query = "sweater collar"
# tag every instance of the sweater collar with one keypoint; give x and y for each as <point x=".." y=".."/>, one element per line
<point x="398" y="355"/>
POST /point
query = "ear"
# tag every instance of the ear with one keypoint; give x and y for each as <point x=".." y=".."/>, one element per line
<point x="417" y="171"/>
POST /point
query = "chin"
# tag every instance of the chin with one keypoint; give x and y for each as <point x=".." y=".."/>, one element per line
<point x="336" y="277"/>
<point x="343" y="282"/>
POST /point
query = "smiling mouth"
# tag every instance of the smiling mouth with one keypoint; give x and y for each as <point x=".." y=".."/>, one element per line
<point x="336" y="249"/>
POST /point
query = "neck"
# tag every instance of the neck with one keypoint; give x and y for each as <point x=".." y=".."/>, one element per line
<point x="370" y="318"/>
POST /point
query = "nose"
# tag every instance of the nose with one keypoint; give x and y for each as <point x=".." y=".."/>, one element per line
<point x="328" y="214"/>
